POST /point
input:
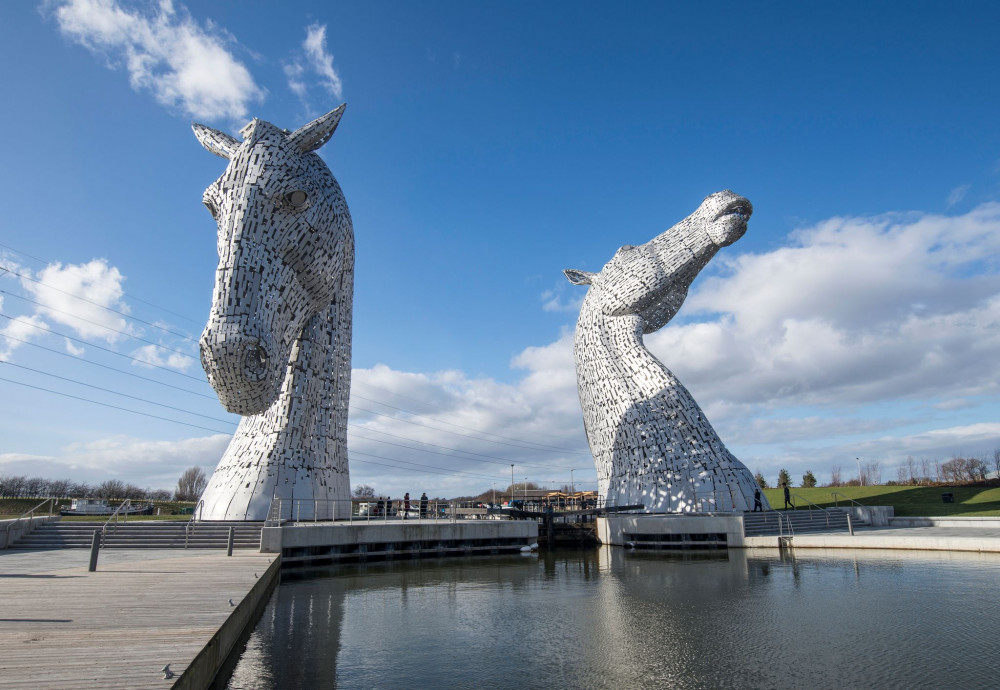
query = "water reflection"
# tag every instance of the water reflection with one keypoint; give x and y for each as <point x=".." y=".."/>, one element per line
<point x="610" y="618"/>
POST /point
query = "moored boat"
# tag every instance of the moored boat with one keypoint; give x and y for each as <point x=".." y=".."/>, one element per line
<point x="99" y="506"/>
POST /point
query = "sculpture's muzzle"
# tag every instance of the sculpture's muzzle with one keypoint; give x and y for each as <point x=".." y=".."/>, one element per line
<point x="242" y="367"/>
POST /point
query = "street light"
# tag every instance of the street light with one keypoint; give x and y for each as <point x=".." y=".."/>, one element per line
<point x="526" y="491"/>
<point x="494" y="501"/>
<point x="861" y="479"/>
<point x="511" y="485"/>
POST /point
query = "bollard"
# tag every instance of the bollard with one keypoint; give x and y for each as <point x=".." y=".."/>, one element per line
<point x="850" y="525"/>
<point x="95" y="547"/>
<point x="229" y="545"/>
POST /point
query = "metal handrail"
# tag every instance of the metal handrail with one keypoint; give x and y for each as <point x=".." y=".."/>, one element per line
<point x="114" y="516"/>
<point x="28" y="514"/>
<point x="836" y="503"/>
<point x="788" y="521"/>
<point x="868" y="509"/>
<point x="811" y="504"/>
<point x="189" y="527"/>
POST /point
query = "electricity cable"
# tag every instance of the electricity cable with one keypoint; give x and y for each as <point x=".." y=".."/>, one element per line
<point x="100" y="306"/>
<point x="94" y="323"/>
<point x="124" y="395"/>
<point x="114" y="407"/>
<point x="105" y="366"/>
<point x="99" y="347"/>
<point x="125" y="294"/>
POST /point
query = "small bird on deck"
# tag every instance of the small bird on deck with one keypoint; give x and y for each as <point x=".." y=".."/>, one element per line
<point x="167" y="673"/>
<point x="231" y="603"/>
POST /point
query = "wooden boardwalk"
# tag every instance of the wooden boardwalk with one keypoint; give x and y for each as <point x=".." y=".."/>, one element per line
<point x="64" y="627"/>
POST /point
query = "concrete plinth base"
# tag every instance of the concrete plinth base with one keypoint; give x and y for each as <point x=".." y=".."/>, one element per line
<point x="318" y="543"/>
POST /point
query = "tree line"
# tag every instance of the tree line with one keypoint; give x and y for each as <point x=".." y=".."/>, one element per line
<point x="923" y="472"/>
<point x="189" y="488"/>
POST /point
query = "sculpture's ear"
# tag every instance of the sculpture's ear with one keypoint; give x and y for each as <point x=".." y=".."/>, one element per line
<point x="578" y="277"/>
<point x="310" y="137"/>
<point x="219" y="143"/>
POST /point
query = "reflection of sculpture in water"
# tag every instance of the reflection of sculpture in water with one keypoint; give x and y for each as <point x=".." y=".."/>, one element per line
<point x="652" y="444"/>
<point x="277" y="347"/>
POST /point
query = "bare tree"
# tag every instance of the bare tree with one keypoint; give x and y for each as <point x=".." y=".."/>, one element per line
<point x="996" y="462"/>
<point x="835" y="479"/>
<point x="911" y="469"/>
<point x="364" y="491"/>
<point x="901" y="474"/>
<point x="871" y="472"/>
<point x="110" y="488"/>
<point x="191" y="484"/>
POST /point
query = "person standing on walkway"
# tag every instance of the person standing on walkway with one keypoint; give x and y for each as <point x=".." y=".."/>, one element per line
<point x="757" y="507"/>
<point x="423" y="505"/>
<point x="788" y="500"/>
<point x="406" y="505"/>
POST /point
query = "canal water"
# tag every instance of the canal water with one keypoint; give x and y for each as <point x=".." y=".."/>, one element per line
<point x="610" y="618"/>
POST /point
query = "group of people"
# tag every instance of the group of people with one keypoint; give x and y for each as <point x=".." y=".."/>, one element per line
<point x="757" y="507"/>
<point x="406" y="505"/>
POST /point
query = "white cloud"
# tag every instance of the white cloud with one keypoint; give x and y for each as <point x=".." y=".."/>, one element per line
<point x="81" y="296"/>
<point x="957" y="194"/>
<point x="315" y="60"/>
<point x="20" y="331"/>
<point x="157" y="464"/>
<point x="857" y="310"/>
<point x="185" y="65"/>
<point x="157" y="356"/>
<point x="73" y="349"/>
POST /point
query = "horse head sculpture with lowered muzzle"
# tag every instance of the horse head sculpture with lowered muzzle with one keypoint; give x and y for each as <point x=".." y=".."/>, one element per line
<point x="277" y="346"/>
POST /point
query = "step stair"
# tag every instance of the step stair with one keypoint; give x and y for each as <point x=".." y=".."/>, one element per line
<point x="143" y="535"/>
<point x="802" y="521"/>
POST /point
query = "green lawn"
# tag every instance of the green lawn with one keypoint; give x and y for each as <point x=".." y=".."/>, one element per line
<point x="907" y="500"/>
<point x="11" y="508"/>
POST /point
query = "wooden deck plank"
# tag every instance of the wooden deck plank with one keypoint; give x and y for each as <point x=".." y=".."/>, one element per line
<point x="64" y="627"/>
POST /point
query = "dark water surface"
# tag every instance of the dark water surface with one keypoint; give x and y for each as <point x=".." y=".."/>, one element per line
<point x="609" y="618"/>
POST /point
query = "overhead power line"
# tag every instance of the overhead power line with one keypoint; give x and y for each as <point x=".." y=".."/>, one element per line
<point x="105" y="366"/>
<point x="99" y="347"/>
<point x="94" y="323"/>
<point x="114" y="407"/>
<point x="125" y="315"/>
<point x="125" y="294"/>
<point x="124" y="395"/>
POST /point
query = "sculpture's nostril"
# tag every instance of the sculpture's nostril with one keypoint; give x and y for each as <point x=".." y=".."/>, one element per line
<point x="255" y="361"/>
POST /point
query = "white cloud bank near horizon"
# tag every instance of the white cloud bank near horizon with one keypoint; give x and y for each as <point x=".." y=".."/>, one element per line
<point x="874" y="337"/>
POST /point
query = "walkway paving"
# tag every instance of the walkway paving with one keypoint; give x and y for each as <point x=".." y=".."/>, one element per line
<point x="64" y="627"/>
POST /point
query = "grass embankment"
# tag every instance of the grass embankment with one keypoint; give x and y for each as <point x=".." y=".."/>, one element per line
<point x="908" y="501"/>
<point x="11" y="508"/>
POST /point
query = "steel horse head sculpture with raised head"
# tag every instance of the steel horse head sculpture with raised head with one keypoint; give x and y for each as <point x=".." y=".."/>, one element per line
<point x="277" y="346"/>
<point x="652" y="444"/>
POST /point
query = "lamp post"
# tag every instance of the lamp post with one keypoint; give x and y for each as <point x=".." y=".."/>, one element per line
<point x="512" y="485"/>
<point x="525" y="491"/>
<point x="494" y="501"/>
<point x="861" y="478"/>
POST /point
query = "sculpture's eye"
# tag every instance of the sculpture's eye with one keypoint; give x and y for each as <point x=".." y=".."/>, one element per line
<point x="212" y="208"/>
<point x="297" y="199"/>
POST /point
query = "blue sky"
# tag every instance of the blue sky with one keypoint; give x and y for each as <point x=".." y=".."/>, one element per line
<point x="485" y="147"/>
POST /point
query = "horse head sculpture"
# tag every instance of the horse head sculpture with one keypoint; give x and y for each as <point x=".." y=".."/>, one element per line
<point x="652" y="444"/>
<point x="281" y="308"/>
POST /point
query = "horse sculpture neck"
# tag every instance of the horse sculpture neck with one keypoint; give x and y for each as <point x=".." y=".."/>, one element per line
<point x="277" y="346"/>
<point x="651" y="442"/>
